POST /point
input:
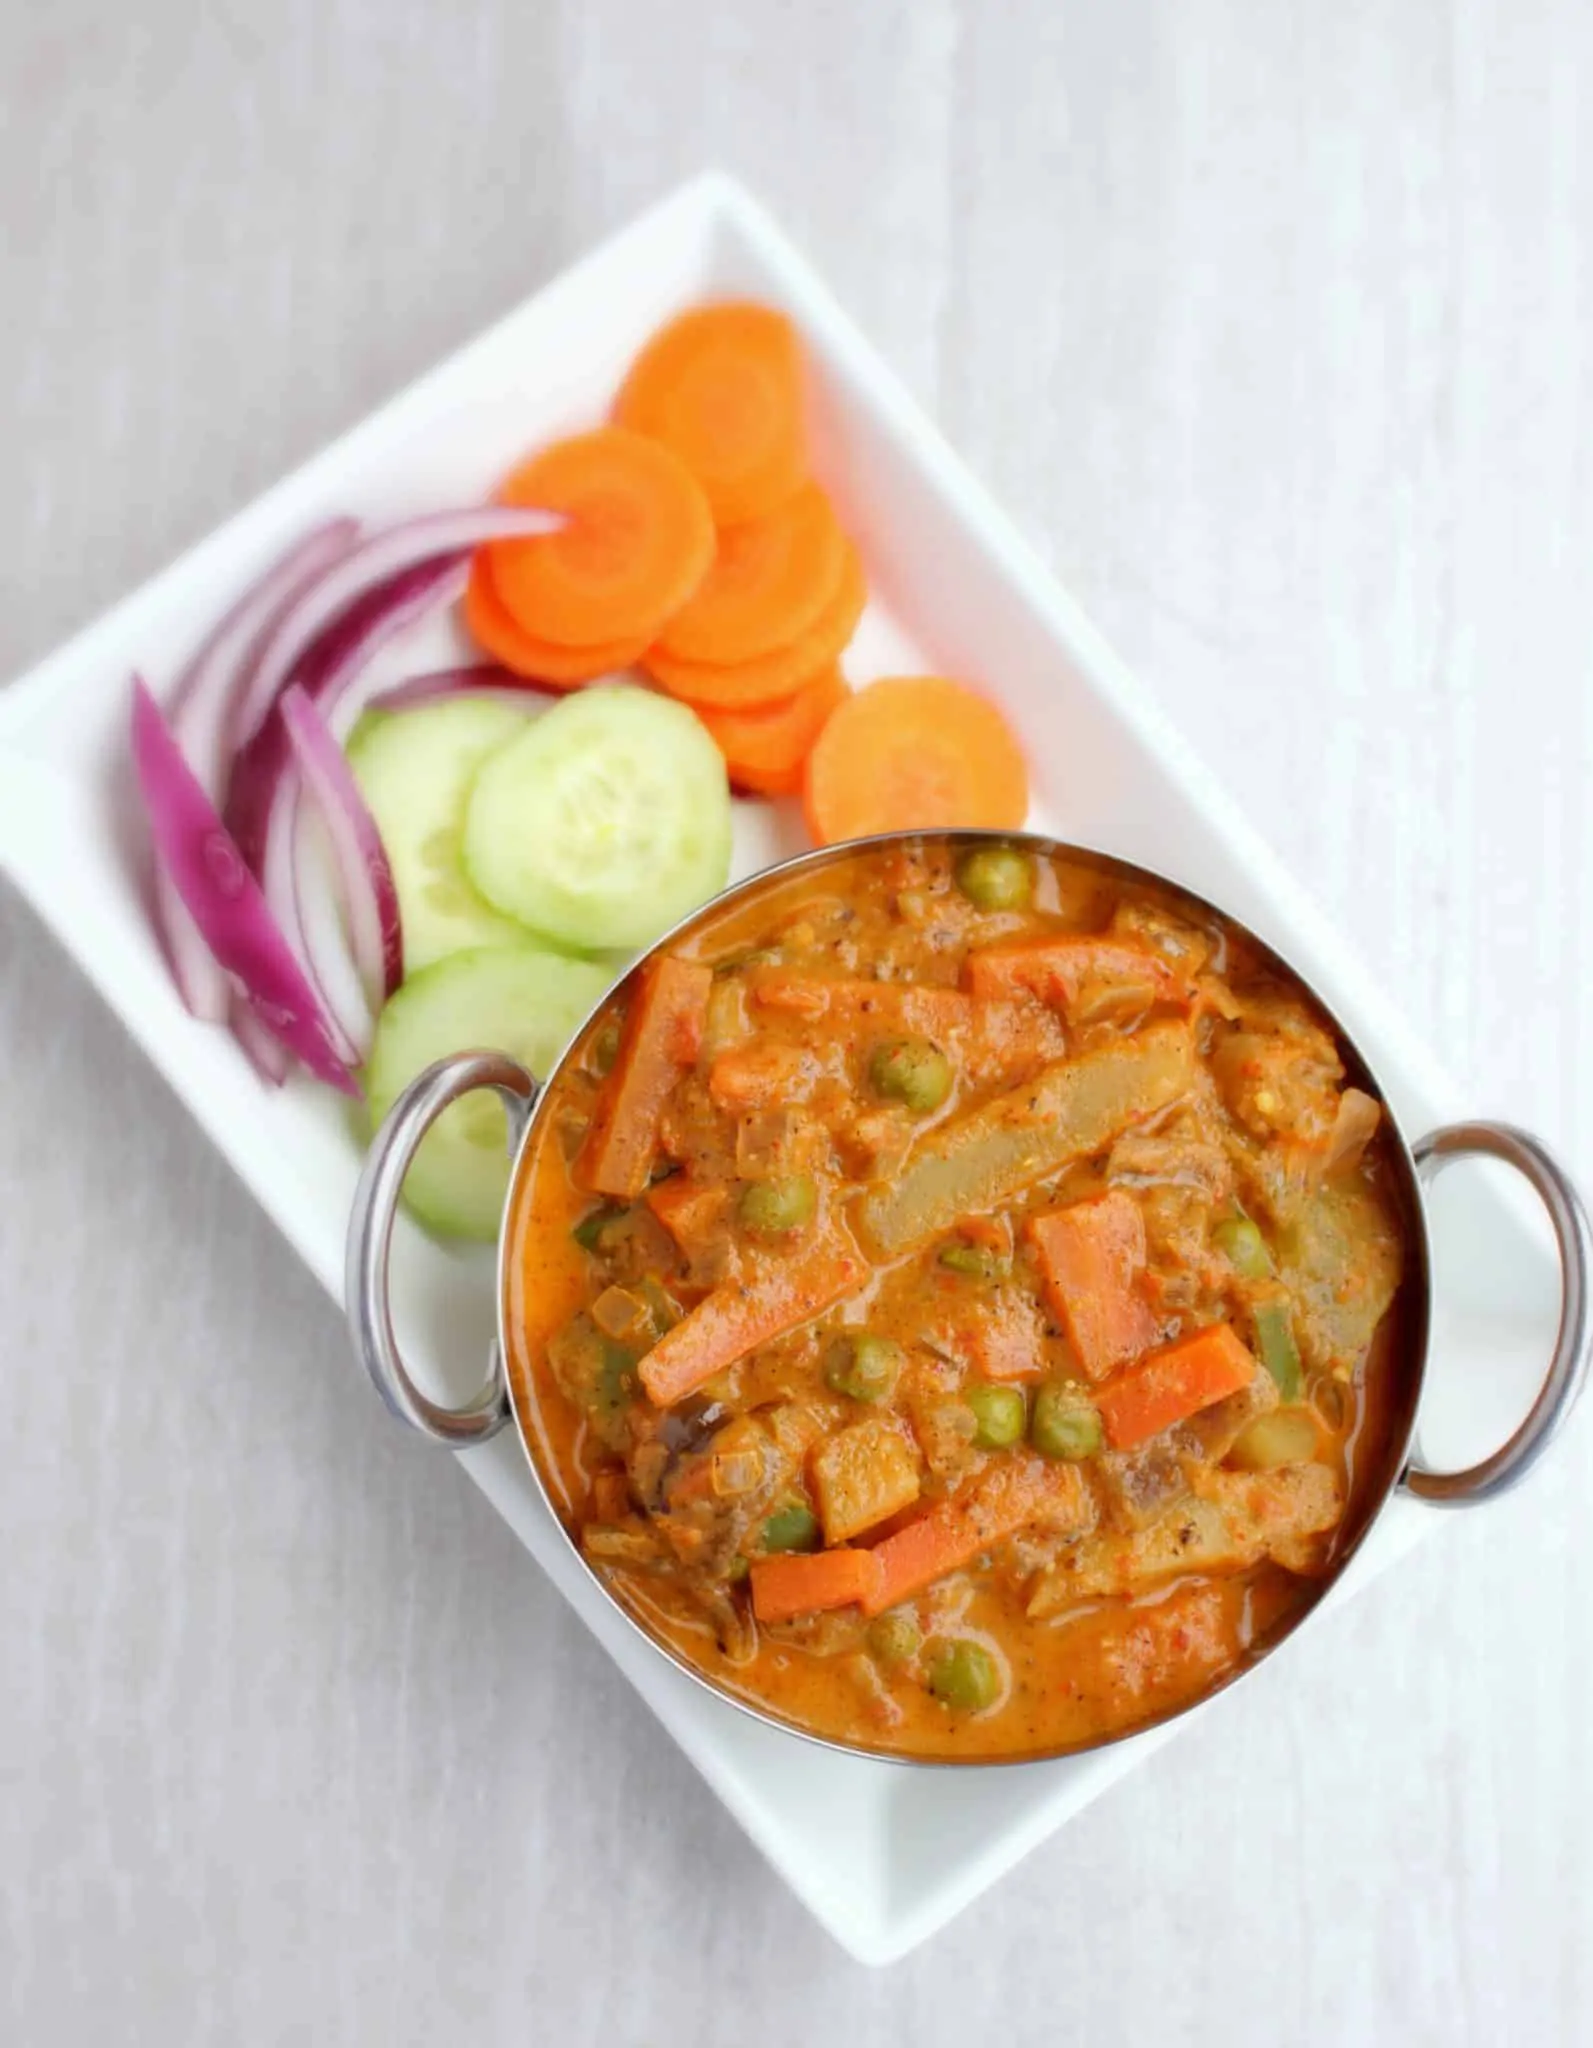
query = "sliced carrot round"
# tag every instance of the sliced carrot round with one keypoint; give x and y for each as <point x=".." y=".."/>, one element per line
<point x="543" y="661"/>
<point x="722" y="387"/>
<point x="912" y="753"/>
<point x="770" y="579"/>
<point x="767" y="677"/>
<point x="766" y="747"/>
<point x="638" y="540"/>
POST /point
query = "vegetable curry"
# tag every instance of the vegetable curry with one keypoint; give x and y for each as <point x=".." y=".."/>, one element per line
<point x="953" y="1298"/>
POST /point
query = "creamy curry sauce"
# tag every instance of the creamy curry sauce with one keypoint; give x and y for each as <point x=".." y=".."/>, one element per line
<point x="953" y="1300"/>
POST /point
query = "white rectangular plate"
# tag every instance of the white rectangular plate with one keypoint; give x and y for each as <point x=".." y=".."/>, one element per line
<point x="881" y="1854"/>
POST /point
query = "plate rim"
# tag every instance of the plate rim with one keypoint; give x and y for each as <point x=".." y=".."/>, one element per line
<point x="34" y="805"/>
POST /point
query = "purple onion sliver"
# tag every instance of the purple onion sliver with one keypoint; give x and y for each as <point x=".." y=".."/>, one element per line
<point x="262" y="1048"/>
<point x="364" y="878"/>
<point x="263" y="807"/>
<point x="483" y="678"/>
<point x="376" y="560"/>
<point x="223" y="897"/>
<point x="264" y="785"/>
<point x="201" y="703"/>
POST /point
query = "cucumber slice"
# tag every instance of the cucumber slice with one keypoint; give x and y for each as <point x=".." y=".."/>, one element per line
<point x="524" y="999"/>
<point x="604" y="822"/>
<point x="414" y="769"/>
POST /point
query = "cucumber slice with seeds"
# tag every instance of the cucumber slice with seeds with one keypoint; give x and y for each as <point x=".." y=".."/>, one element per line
<point x="604" y="822"/>
<point x="526" y="1000"/>
<point x="414" y="769"/>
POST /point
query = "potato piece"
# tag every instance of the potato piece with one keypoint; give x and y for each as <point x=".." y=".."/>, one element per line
<point x="797" y="1425"/>
<point x="1142" y="1484"/>
<point x="1212" y="1433"/>
<point x="1233" y="1520"/>
<point x="1068" y="1111"/>
<point x="1004" y="1340"/>
<point x="726" y="1023"/>
<point x="863" y="1476"/>
<point x="1279" y="1073"/>
<point x="1342" y="1263"/>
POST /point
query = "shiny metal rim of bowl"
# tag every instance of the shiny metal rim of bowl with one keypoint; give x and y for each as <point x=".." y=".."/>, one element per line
<point x="381" y="1182"/>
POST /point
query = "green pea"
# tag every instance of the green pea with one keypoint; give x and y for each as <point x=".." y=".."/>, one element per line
<point x="996" y="878"/>
<point x="793" y="1527"/>
<point x="864" y="1366"/>
<point x="1000" y="1413"/>
<point x="1065" y="1423"/>
<point x="738" y="1570"/>
<point x="776" y="1208"/>
<point x="976" y="1261"/>
<point x="913" y="1071"/>
<point x="1243" y="1246"/>
<point x="964" y="1675"/>
<point x="895" y="1638"/>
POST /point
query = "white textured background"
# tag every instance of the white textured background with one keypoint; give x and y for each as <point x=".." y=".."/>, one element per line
<point x="1272" y="323"/>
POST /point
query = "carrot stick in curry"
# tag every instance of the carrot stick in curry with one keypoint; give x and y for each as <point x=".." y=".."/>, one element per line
<point x="1008" y="1496"/>
<point x="734" y="1320"/>
<point x="784" y="1587"/>
<point x="1090" y="1256"/>
<point x="1178" y="1380"/>
<point x="1056" y="969"/>
<point x="996" y="1038"/>
<point x="662" y="1036"/>
<point x="693" y="1214"/>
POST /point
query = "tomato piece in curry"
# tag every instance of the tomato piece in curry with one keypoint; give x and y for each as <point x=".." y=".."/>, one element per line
<point x="950" y="1299"/>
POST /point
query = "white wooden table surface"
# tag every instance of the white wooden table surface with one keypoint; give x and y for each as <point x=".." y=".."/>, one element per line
<point x="1273" y="324"/>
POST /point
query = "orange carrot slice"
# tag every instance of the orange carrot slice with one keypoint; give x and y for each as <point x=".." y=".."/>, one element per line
<point x="993" y="1041"/>
<point x="729" y="686"/>
<point x="770" y="579"/>
<point x="1057" y="969"/>
<point x="766" y="746"/>
<point x="638" y="541"/>
<point x="911" y="753"/>
<point x="544" y="661"/>
<point x="1176" y="1381"/>
<point x="692" y="1213"/>
<point x="735" y="1319"/>
<point x="1091" y="1256"/>
<point x="722" y="387"/>
<point x="1018" y="1489"/>
<point x="784" y="1587"/>
<point x="662" y="1035"/>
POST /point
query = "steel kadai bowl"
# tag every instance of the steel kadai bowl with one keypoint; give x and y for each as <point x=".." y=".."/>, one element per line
<point x="505" y="1398"/>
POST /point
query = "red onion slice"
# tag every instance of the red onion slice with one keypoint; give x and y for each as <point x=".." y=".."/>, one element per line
<point x="483" y="679"/>
<point x="263" y="804"/>
<point x="224" y="899"/>
<point x="375" y="561"/>
<point x="262" y="1048"/>
<point x="364" y="878"/>
<point x="199" y="716"/>
<point x="262" y="775"/>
